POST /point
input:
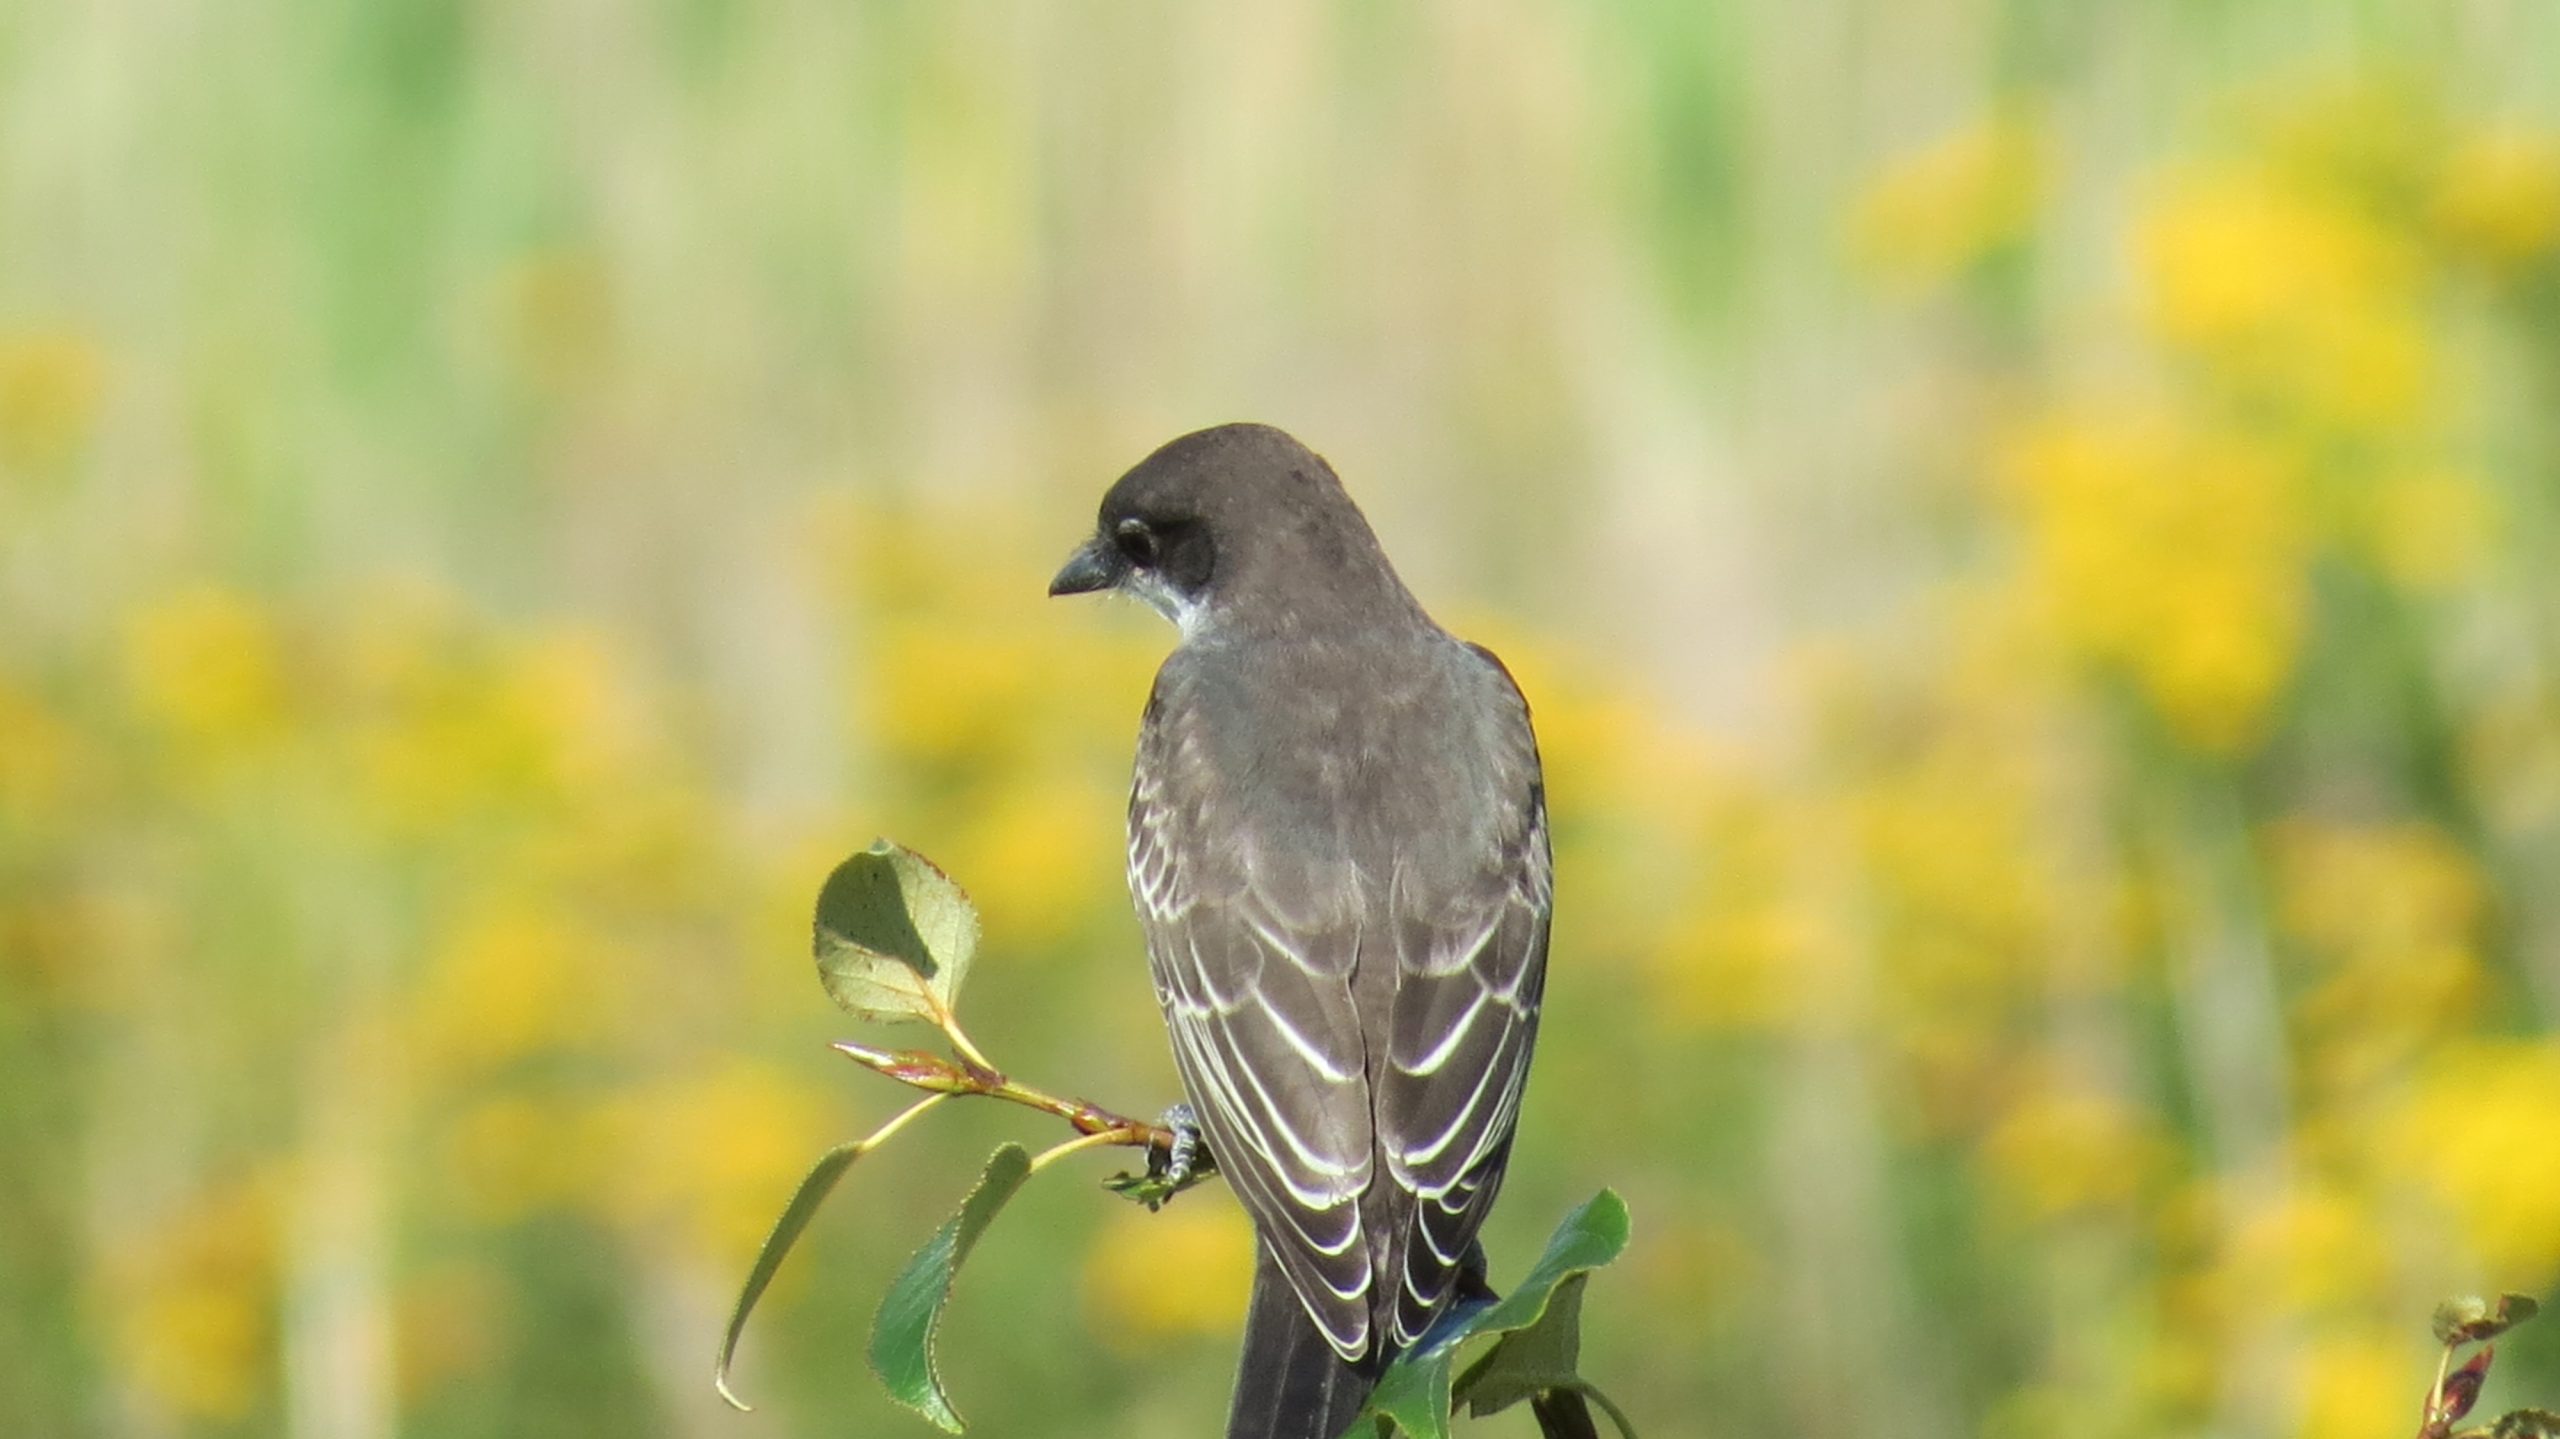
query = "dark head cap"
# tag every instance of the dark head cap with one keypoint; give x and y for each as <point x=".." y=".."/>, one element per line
<point x="1239" y="523"/>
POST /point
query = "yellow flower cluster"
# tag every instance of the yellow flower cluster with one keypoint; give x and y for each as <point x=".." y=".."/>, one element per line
<point x="2165" y="855"/>
<point x="2170" y="553"/>
<point x="2131" y="939"/>
<point x="1945" y="207"/>
<point x="51" y="386"/>
<point x="274" y="833"/>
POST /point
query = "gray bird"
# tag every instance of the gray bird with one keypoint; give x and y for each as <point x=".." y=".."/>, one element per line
<point x="1338" y="852"/>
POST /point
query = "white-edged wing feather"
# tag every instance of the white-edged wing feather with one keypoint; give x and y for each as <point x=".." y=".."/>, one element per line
<point x="1352" y="1010"/>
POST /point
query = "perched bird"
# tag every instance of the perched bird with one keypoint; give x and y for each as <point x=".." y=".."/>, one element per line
<point x="1338" y="853"/>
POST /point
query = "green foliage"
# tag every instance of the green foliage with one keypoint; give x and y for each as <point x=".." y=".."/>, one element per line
<point x="894" y="935"/>
<point x="1537" y="1327"/>
<point x="796" y="1215"/>
<point x="894" y="940"/>
<point x="903" y="1330"/>
<point x="2471" y="1320"/>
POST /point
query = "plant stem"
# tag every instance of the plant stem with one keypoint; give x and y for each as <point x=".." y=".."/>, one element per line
<point x="2427" y="1423"/>
<point x="898" y="1121"/>
<point x="1081" y="1141"/>
<point x="971" y="1074"/>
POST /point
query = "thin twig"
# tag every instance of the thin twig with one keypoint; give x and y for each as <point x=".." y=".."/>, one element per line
<point x="2428" y="1423"/>
<point x="970" y="1074"/>
<point x="1082" y="1141"/>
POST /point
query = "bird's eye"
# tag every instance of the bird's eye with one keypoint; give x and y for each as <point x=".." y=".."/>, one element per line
<point x="1137" y="543"/>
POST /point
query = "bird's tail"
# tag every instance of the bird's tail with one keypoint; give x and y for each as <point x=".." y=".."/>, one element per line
<point x="1289" y="1382"/>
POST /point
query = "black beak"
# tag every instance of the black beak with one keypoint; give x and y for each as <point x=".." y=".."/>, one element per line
<point x="1097" y="566"/>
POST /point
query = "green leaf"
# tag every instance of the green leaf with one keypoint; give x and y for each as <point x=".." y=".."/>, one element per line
<point x="1412" y="1397"/>
<point x="1538" y="1323"/>
<point x="804" y="1204"/>
<point x="894" y="935"/>
<point x="902" y="1332"/>
<point x="1527" y="1362"/>
<point x="2529" y="1424"/>
<point x="2469" y="1319"/>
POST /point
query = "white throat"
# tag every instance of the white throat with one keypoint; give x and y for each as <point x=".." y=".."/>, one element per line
<point x="1188" y="613"/>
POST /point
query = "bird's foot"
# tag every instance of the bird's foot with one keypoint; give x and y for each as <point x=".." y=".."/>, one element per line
<point x="1175" y="1163"/>
<point x="1171" y="1167"/>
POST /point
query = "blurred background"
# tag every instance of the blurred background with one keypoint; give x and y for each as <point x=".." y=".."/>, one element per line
<point x="2027" y="526"/>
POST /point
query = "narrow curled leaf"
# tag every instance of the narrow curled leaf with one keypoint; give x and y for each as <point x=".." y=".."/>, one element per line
<point x="894" y="935"/>
<point x="804" y="1204"/>
<point x="1538" y="1322"/>
<point x="903" y="1330"/>
<point x="2470" y="1319"/>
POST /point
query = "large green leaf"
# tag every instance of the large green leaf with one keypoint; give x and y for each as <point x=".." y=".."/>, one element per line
<point x="902" y="1332"/>
<point x="1538" y="1324"/>
<point x="786" y="1232"/>
<point x="894" y="935"/>
<point x="1412" y="1397"/>
<point x="1528" y="1362"/>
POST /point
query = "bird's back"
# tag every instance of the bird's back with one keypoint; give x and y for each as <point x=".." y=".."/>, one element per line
<point x="1338" y="845"/>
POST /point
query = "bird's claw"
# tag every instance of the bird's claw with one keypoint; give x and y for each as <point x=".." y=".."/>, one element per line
<point x="1176" y="1162"/>
<point x="1181" y="1161"/>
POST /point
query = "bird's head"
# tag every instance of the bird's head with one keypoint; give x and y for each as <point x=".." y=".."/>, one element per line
<point x="1237" y="520"/>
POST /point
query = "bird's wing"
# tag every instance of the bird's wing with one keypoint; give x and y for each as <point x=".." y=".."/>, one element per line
<point x="1252" y="958"/>
<point x="1471" y="969"/>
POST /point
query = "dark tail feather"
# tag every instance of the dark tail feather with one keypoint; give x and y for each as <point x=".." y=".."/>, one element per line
<point x="1289" y="1382"/>
<point x="1562" y="1415"/>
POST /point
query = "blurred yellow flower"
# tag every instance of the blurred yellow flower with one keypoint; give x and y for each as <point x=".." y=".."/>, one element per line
<point x="1951" y="853"/>
<point x="2375" y="889"/>
<point x="2499" y="197"/>
<point x="2295" y="294"/>
<point x="1045" y="855"/>
<point x="2427" y="530"/>
<point x="469" y="728"/>
<point x="2368" y="137"/>
<point x="1181" y="1271"/>
<point x="513" y="979"/>
<point x="2230" y="253"/>
<point x="1753" y="965"/>
<point x="2173" y="553"/>
<point x="209" y="666"/>
<point x="43" y="760"/>
<point x="2359" y="1382"/>
<point x="512" y="1156"/>
<point x="948" y="693"/>
<point x="2313" y="1249"/>
<point x="2475" y="1133"/>
<point x="49" y="389"/>
<point x="2386" y="922"/>
<point x="2064" y="1152"/>
<point x="708" y="1155"/>
<point x="1743" y="948"/>
<point x="1938" y="210"/>
<point x="194" y="1301"/>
